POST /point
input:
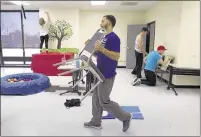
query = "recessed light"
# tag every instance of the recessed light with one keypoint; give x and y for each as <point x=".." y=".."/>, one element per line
<point x="20" y="2"/>
<point x="94" y="3"/>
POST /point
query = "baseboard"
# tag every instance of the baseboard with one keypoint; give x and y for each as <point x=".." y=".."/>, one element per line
<point x="186" y="86"/>
<point x="121" y="66"/>
<point x="28" y="66"/>
<point x="179" y="86"/>
<point x="15" y="66"/>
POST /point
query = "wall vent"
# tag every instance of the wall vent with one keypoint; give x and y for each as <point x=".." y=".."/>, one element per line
<point x="7" y="3"/>
<point x="129" y="3"/>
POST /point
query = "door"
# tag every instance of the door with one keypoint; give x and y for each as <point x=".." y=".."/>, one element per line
<point x="151" y="36"/>
<point x="132" y="32"/>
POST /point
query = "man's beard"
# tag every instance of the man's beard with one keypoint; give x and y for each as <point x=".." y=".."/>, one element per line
<point x="105" y="26"/>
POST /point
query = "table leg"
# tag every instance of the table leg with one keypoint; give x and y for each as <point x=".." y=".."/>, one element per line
<point x="76" y="88"/>
<point x="88" y="83"/>
<point x="170" y="85"/>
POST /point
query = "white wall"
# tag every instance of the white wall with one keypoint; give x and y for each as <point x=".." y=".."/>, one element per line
<point x="85" y="23"/>
<point x="69" y="15"/>
<point x="188" y="51"/>
<point x="189" y="42"/>
<point x="167" y="15"/>
<point x="90" y="22"/>
<point x="177" y="28"/>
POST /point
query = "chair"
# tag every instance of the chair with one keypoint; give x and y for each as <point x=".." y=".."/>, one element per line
<point x="89" y="49"/>
<point x="163" y="69"/>
<point x="89" y="65"/>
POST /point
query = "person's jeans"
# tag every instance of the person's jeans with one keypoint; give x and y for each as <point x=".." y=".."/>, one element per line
<point x="138" y="67"/>
<point x="101" y="100"/>
<point x="42" y="39"/>
<point x="150" y="78"/>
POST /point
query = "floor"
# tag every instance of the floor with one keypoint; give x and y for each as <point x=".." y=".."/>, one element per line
<point x="44" y="114"/>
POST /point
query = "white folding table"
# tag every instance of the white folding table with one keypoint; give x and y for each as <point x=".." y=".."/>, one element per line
<point x="75" y="75"/>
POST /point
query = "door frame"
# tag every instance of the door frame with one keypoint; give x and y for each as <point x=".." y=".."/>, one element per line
<point x="135" y="31"/>
<point x="148" y="36"/>
<point x="24" y="59"/>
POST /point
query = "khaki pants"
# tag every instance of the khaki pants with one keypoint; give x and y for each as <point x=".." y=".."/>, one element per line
<point x="101" y="99"/>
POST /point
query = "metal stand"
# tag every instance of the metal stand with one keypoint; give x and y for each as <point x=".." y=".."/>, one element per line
<point x="90" y="91"/>
<point x="170" y="85"/>
<point x="75" y="82"/>
<point x="181" y="71"/>
<point x="22" y="27"/>
<point x="75" y="89"/>
<point x="88" y="83"/>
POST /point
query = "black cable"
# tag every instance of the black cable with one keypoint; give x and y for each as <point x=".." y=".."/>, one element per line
<point x="23" y="12"/>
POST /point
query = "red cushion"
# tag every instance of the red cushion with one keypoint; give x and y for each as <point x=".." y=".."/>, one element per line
<point x="43" y="62"/>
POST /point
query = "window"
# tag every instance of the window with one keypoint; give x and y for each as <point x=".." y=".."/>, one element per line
<point x="11" y="33"/>
<point x="13" y="49"/>
<point x="31" y="30"/>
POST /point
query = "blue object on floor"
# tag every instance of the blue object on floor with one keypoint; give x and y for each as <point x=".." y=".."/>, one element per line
<point x="131" y="109"/>
<point x="35" y="83"/>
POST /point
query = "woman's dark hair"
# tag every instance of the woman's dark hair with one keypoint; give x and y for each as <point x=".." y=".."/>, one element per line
<point x="145" y="29"/>
<point x="111" y="18"/>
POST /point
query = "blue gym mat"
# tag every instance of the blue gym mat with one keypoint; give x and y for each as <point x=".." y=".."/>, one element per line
<point x="131" y="109"/>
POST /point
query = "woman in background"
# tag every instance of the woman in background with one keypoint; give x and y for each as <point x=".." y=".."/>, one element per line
<point x="44" y="26"/>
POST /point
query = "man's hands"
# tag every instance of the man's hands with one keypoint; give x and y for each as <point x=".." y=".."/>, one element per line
<point x="111" y="54"/>
<point x="98" y="46"/>
<point x="167" y="60"/>
<point x="144" y="54"/>
<point x="169" y="57"/>
<point x="87" y="42"/>
<point x="145" y="60"/>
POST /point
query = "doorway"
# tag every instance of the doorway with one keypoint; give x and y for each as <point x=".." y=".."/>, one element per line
<point x="150" y="38"/>
<point x="148" y="41"/>
<point x="132" y="32"/>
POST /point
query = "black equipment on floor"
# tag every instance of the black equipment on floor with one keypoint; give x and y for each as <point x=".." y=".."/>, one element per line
<point x="91" y="67"/>
<point x="180" y="71"/>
